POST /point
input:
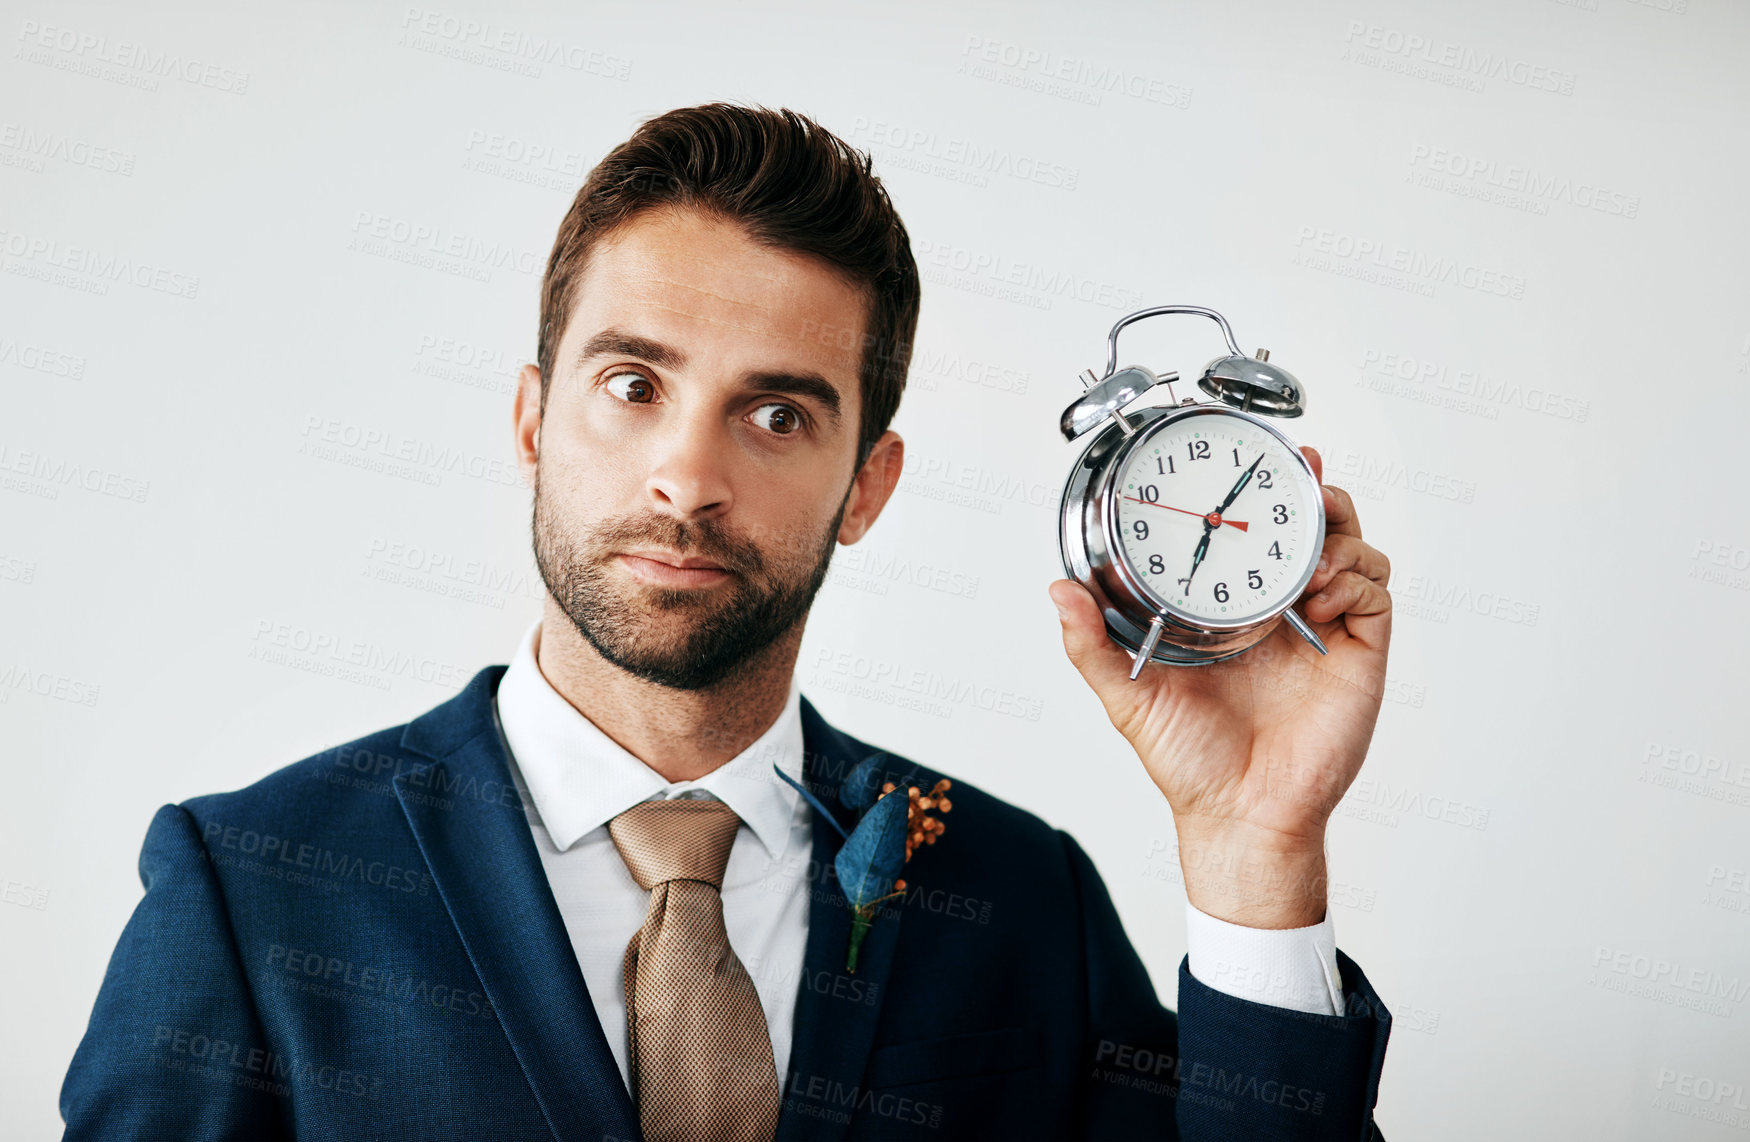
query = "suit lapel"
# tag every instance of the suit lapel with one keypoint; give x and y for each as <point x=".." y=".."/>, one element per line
<point x="474" y="834"/>
<point x="833" y="1033"/>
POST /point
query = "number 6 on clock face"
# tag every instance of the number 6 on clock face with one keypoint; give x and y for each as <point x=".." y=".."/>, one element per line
<point x="1218" y="517"/>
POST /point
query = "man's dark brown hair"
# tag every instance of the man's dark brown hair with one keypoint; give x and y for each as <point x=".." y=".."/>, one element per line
<point x="793" y="185"/>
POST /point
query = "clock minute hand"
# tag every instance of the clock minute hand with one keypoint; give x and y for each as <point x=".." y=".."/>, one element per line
<point x="1239" y="487"/>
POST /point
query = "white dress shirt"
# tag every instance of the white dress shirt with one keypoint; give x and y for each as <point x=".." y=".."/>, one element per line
<point x="576" y="779"/>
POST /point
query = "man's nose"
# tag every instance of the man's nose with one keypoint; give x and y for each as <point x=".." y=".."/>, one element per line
<point x="689" y="470"/>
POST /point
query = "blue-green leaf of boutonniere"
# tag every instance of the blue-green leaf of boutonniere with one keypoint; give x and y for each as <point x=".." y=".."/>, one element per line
<point x="863" y="784"/>
<point x="870" y="861"/>
<point x="813" y="801"/>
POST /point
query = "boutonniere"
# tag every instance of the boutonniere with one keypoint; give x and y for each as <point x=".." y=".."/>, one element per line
<point x="893" y="821"/>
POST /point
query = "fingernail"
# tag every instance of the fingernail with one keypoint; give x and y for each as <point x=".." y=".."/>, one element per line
<point x="1062" y="614"/>
<point x="1324" y="562"/>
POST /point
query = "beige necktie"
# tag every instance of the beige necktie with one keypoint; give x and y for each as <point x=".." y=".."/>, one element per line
<point x="700" y="1050"/>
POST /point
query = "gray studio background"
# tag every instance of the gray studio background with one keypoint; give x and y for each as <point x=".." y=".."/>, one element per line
<point x="267" y="273"/>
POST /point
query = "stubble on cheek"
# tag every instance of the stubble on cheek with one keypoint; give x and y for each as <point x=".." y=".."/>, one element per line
<point x="680" y="637"/>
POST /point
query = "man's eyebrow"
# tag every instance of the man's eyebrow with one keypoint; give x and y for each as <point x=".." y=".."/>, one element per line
<point x="797" y="384"/>
<point x="617" y="342"/>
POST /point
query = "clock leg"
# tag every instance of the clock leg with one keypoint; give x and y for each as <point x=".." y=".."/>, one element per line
<point x="1148" y="648"/>
<point x="1306" y="632"/>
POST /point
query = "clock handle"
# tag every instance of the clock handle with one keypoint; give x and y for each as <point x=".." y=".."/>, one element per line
<point x="1156" y="311"/>
<point x="1306" y="632"/>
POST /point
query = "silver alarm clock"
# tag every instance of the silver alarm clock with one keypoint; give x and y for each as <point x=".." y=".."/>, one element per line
<point x="1195" y="525"/>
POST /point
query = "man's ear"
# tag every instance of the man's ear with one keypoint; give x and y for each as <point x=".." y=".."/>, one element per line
<point x="526" y="415"/>
<point x="874" y="484"/>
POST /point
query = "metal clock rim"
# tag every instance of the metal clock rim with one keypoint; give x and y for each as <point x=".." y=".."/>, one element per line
<point x="1103" y="498"/>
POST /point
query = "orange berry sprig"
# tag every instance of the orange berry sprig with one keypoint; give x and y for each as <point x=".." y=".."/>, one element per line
<point x="920" y="827"/>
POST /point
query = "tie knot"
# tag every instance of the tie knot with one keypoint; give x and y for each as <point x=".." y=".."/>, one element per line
<point x="675" y="839"/>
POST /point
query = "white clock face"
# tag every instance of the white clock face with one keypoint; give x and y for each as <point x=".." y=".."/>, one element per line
<point x="1229" y="567"/>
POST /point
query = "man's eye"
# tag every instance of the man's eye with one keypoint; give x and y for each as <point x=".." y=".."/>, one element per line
<point x="779" y="418"/>
<point x="634" y="388"/>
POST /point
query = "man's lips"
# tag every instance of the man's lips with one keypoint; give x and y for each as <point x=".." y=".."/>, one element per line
<point x="669" y="570"/>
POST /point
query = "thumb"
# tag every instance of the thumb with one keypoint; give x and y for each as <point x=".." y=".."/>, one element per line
<point x="1104" y="665"/>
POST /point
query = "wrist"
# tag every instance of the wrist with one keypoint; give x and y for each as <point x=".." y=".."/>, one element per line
<point x="1253" y="878"/>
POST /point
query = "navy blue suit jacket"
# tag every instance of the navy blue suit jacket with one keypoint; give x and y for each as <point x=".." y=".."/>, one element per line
<point x="363" y="945"/>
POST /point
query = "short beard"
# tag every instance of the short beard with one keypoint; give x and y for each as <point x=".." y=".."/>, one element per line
<point x="724" y="634"/>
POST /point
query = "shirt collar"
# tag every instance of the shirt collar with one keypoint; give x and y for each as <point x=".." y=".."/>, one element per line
<point x="580" y="779"/>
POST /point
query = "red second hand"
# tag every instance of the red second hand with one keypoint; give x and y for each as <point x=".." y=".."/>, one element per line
<point x="1214" y="518"/>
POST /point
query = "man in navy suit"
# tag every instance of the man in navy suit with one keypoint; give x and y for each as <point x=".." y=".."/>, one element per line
<point x="420" y="934"/>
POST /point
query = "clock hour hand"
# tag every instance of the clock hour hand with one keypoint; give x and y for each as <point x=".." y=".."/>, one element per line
<point x="1208" y="527"/>
<point x="1197" y="556"/>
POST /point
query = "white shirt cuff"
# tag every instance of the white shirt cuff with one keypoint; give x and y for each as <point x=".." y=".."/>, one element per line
<point x="1294" y="968"/>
